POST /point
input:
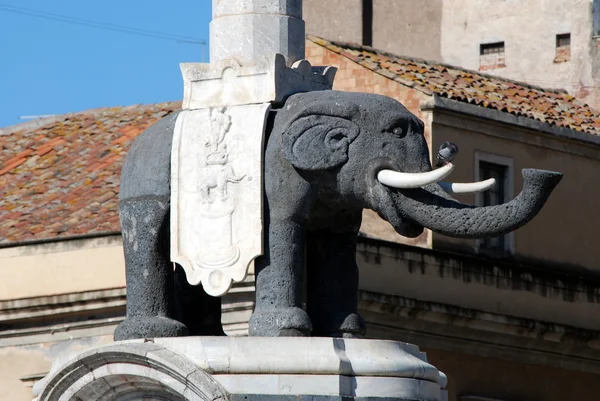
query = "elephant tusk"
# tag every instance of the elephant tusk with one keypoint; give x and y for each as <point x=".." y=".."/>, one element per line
<point x="467" y="187"/>
<point x="396" y="179"/>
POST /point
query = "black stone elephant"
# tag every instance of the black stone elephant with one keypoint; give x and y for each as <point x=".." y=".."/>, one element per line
<point x="326" y="157"/>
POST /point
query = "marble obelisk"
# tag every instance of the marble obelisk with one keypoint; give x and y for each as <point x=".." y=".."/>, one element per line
<point x="256" y="60"/>
<point x="251" y="31"/>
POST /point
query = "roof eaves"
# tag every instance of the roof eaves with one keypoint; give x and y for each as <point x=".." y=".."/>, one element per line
<point x="336" y="48"/>
<point x="40" y="122"/>
<point x="457" y="106"/>
<point x="339" y="46"/>
<point x="31" y="125"/>
<point x="50" y="240"/>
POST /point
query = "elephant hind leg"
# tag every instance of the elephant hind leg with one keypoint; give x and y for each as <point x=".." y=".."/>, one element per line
<point x="148" y="269"/>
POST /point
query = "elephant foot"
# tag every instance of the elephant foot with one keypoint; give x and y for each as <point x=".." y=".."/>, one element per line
<point x="149" y="327"/>
<point x="353" y="326"/>
<point x="284" y="322"/>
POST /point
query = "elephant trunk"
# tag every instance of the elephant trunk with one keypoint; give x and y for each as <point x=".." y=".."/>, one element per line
<point x="447" y="216"/>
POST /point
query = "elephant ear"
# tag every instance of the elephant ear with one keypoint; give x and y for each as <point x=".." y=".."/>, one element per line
<point x="318" y="142"/>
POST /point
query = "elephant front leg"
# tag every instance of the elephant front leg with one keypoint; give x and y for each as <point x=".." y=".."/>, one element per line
<point x="332" y="285"/>
<point x="278" y="310"/>
<point x="149" y="271"/>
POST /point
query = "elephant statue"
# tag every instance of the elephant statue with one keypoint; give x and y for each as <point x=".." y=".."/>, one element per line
<point x="328" y="155"/>
<point x="216" y="176"/>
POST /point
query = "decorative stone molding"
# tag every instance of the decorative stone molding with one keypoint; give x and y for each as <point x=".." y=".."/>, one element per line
<point x="216" y="184"/>
<point x="227" y="83"/>
<point x="225" y="368"/>
<point x="129" y="371"/>
<point x="217" y="160"/>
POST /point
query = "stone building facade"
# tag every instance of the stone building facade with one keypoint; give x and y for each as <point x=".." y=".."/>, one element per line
<point x="509" y="319"/>
<point x="549" y="43"/>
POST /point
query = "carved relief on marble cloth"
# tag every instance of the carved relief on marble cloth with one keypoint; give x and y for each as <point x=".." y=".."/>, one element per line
<point x="216" y="193"/>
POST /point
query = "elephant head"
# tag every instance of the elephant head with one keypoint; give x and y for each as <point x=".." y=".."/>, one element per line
<point x="371" y="150"/>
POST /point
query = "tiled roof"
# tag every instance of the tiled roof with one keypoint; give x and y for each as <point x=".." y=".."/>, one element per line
<point x="550" y="106"/>
<point x="60" y="177"/>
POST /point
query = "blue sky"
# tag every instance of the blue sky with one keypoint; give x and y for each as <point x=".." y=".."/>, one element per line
<point x="54" y="67"/>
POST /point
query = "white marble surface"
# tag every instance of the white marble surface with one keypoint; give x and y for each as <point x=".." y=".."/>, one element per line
<point x="305" y="355"/>
<point x="252" y="30"/>
<point x="228" y="83"/>
<point x="332" y="385"/>
<point x="200" y="367"/>
<point x="216" y="193"/>
<point x="129" y="371"/>
<point x="222" y="8"/>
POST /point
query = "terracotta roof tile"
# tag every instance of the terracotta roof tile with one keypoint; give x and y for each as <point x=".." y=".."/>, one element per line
<point x="550" y="106"/>
<point x="62" y="178"/>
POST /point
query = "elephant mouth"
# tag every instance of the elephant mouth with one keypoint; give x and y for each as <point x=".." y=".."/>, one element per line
<point x="383" y="203"/>
<point x="411" y="209"/>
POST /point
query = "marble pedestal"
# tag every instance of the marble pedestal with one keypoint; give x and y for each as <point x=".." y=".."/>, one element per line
<point x="245" y="368"/>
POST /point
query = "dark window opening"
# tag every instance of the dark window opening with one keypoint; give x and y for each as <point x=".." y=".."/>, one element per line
<point x="491" y="56"/>
<point x="491" y="48"/>
<point x="367" y="22"/>
<point x="495" y="246"/>
<point x="563" y="39"/>
<point x="596" y="17"/>
<point x="563" y="48"/>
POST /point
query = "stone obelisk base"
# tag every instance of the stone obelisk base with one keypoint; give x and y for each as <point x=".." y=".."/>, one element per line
<point x="248" y="369"/>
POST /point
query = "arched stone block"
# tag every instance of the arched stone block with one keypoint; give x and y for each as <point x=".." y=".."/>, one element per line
<point x="131" y="371"/>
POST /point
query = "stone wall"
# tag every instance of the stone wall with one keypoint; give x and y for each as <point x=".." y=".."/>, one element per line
<point x="401" y="28"/>
<point x="395" y="26"/>
<point x="491" y="379"/>
<point x="528" y="30"/>
<point x="458" y="308"/>
<point x="334" y="19"/>
<point x="452" y="32"/>
<point x="58" y="267"/>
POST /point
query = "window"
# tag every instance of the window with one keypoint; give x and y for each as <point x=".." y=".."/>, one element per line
<point x="491" y="56"/>
<point x="596" y="17"/>
<point x="491" y="197"/>
<point x="563" y="48"/>
<point x="367" y="22"/>
<point x="501" y="169"/>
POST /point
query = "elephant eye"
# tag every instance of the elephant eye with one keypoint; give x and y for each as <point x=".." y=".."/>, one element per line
<point x="396" y="130"/>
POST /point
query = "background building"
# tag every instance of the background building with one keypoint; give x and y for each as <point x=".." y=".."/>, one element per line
<point x="550" y="43"/>
<point x="514" y="318"/>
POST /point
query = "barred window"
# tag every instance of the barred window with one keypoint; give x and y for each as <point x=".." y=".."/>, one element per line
<point x="563" y="48"/>
<point x="491" y="56"/>
<point x="491" y="48"/>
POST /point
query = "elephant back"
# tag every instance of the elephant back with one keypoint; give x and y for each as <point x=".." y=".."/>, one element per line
<point x="147" y="167"/>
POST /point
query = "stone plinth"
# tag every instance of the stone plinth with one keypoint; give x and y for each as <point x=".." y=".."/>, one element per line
<point x="249" y="368"/>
